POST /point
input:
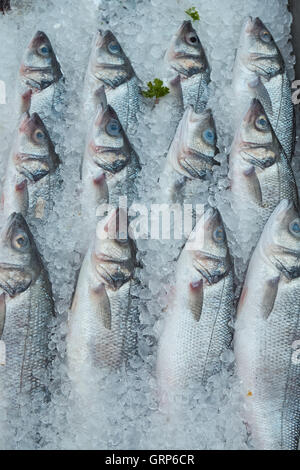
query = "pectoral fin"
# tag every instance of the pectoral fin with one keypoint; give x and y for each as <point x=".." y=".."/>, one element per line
<point x="270" y="289"/>
<point x="2" y="313"/>
<point x="103" y="305"/>
<point x="196" y="298"/>
<point x="253" y="185"/>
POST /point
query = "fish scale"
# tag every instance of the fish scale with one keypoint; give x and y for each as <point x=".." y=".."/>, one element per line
<point x="263" y="347"/>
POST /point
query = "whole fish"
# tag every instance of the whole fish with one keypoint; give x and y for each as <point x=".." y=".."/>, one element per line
<point x="187" y="57"/>
<point x="110" y="164"/>
<point x="26" y="309"/>
<point x="109" y="66"/>
<point x="103" y="318"/>
<point x="268" y="324"/>
<point x="259" y="171"/>
<point x="40" y="72"/>
<point x="196" y="329"/>
<point x="32" y="174"/>
<point x="260" y="72"/>
<point x="191" y="154"/>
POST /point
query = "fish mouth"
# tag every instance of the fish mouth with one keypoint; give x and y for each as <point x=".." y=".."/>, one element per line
<point x="289" y="272"/>
<point x="30" y="68"/>
<point x="7" y="287"/>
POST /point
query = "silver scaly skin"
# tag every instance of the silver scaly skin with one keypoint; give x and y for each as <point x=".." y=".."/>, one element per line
<point x="103" y="319"/>
<point x="109" y="66"/>
<point x="26" y="309"/>
<point x="32" y="174"/>
<point x="191" y="154"/>
<point x="260" y="72"/>
<point x="110" y="164"/>
<point x="187" y="57"/>
<point x="259" y="171"/>
<point x="268" y="323"/>
<point x="40" y="73"/>
<point x="196" y="329"/>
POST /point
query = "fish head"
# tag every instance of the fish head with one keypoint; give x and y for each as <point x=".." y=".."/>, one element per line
<point x="281" y="239"/>
<point x="20" y="262"/>
<point x="40" y="65"/>
<point x="201" y="135"/>
<point x="258" y="50"/>
<point x="114" y="252"/>
<point x="108" y="61"/>
<point x="256" y="141"/>
<point x="109" y="146"/>
<point x="186" y="54"/>
<point x="194" y="146"/>
<point x="34" y="155"/>
<point x="212" y="259"/>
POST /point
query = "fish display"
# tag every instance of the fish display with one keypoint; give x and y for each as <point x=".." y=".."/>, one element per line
<point x="196" y="329"/>
<point x="260" y="72"/>
<point x="32" y="175"/>
<point x="40" y="73"/>
<point x="26" y="309"/>
<point x="266" y="327"/>
<point x="103" y="318"/>
<point x="259" y="170"/>
<point x="187" y="58"/>
<point x="110" y="164"/>
<point x="191" y="154"/>
<point x="110" y="67"/>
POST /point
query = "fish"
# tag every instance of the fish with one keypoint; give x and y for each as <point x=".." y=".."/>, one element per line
<point x="267" y="324"/>
<point x="103" y="319"/>
<point x="32" y="175"/>
<point x="110" y="164"/>
<point x="110" y="67"/>
<point x="41" y="73"/>
<point x="26" y="310"/>
<point x="260" y="72"/>
<point x="191" y="154"/>
<point x="259" y="171"/>
<point x="196" y="327"/>
<point x="187" y="58"/>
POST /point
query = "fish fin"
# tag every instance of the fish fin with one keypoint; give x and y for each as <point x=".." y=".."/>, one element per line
<point x="72" y="300"/>
<point x="104" y="308"/>
<point x="103" y="305"/>
<point x="196" y="298"/>
<point x="270" y="290"/>
<point x="2" y="313"/>
<point x="254" y="185"/>
<point x="21" y="191"/>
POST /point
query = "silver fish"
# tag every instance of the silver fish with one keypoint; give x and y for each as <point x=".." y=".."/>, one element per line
<point x="40" y="72"/>
<point x="32" y="174"/>
<point x="260" y="72"/>
<point x="187" y="57"/>
<point x="109" y="66"/>
<point x="26" y="308"/>
<point x="268" y="323"/>
<point x="103" y="318"/>
<point x="110" y="164"/>
<point x="191" y="154"/>
<point x="196" y="329"/>
<point x="259" y="171"/>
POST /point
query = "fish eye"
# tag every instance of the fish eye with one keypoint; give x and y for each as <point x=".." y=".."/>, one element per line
<point x="39" y="135"/>
<point x="219" y="235"/>
<point x="113" y="128"/>
<point x="262" y="123"/>
<point x="294" y="227"/>
<point x="265" y="36"/>
<point x="20" y="241"/>
<point x="114" y="47"/>
<point x="44" y="50"/>
<point x="192" y="38"/>
<point x="209" y="136"/>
